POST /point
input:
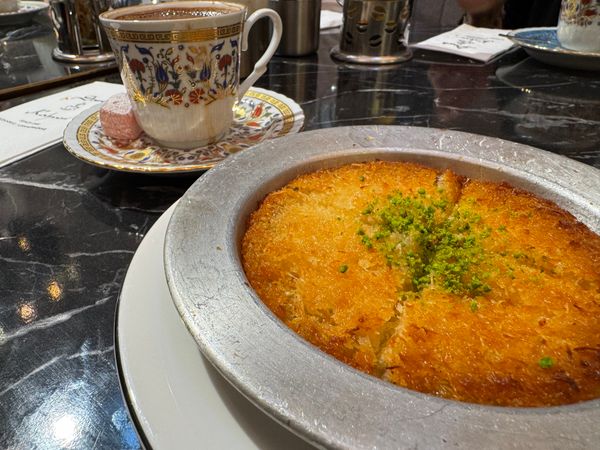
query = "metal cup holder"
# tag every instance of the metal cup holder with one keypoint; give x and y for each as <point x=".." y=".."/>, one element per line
<point x="374" y="32"/>
<point x="79" y="35"/>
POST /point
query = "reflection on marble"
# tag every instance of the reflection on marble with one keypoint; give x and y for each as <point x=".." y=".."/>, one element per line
<point x="26" y="57"/>
<point x="560" y="108"/>
<point x="68" y="230"/>
<point x="67" y="234"/>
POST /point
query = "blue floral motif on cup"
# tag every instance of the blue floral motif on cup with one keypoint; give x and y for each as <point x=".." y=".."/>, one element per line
<point x="185" y="74"/>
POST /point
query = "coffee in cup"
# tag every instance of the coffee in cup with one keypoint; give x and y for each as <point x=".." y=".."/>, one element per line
<point x="180" y="64"/>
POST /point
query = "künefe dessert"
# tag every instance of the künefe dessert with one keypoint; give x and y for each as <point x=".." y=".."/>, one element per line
<point x="461" y="288"/>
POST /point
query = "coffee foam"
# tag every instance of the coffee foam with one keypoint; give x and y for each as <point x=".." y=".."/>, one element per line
<point x="177" y="13"/>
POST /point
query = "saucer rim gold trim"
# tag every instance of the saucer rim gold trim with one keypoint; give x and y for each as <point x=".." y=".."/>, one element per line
<point x="106" y="162"/>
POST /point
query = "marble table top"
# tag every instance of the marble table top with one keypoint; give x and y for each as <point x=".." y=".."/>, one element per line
<point x="69" y="230"/>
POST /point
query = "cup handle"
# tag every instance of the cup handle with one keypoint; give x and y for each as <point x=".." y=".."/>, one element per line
<point x="261" y="65"/>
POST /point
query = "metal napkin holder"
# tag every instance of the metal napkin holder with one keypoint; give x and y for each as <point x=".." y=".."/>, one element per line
<point x="80" y="37"/>
<point x="374" y="32"/>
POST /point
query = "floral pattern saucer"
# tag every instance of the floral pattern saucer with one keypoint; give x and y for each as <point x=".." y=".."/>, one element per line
<point x="260" y="115"/>
<point x="542" y="44"/>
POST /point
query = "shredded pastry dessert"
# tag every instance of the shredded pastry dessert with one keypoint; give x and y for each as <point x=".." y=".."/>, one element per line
<point x="461" y="288"/>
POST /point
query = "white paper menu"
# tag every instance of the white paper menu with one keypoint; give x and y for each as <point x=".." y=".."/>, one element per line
<point x="481" y="44"/>
<point x="33" y="126"/>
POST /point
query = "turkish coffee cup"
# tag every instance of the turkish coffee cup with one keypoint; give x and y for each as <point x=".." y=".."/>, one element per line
<point x="180" y="64"/>
<point x="579" y="25"/>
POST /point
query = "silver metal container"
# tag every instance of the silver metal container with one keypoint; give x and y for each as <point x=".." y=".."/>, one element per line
<point x="318" y="397"/>
<point x="301" y="21"/>
<point x="374" y="32"/>
<point x="80" y="37"/>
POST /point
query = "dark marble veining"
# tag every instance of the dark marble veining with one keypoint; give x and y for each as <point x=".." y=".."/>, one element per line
<point x="69" y="230"/>
<point x="26" y="62"/>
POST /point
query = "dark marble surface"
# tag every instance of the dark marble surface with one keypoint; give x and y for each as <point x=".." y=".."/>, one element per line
<point x="68" y="230"/>
<point x="26" y="62"/>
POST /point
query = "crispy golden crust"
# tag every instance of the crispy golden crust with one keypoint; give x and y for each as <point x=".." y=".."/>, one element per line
<point x="532" y="340"/>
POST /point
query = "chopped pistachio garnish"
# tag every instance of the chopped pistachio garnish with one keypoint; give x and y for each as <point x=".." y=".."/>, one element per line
<point x="343" y="268"/>
<point x="369" y="209"/>
<point x="414" y="232"/>
<point x="546" y="362"/>
<point x="361" y="178"/>
<point x="474" y="306"/>
<point x="366" y="240"/>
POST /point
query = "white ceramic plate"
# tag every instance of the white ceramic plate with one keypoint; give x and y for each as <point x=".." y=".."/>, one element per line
<point x="176" y="397"/>
<point x="260" y="115"/>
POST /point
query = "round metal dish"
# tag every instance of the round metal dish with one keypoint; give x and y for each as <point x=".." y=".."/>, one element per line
<point x="321" y="399"/>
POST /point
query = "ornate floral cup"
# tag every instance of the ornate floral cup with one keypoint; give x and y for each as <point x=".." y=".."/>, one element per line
<point x="180" y="63"/>
<point x="579" y="25"/>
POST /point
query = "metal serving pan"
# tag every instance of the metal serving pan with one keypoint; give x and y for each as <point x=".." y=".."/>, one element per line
<point x="323" y="400"/>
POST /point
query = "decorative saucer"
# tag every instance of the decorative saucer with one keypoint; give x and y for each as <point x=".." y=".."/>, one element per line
<point x="542" y="44"/>
<point x="260" y="115"/>
<point x="27" y="10"/>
